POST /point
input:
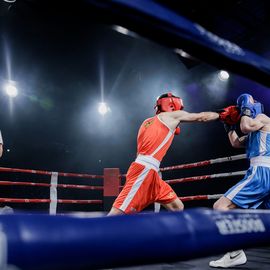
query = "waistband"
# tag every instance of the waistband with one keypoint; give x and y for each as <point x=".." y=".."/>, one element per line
<point x="148" y="161"/>
<point x="263" y="161"/>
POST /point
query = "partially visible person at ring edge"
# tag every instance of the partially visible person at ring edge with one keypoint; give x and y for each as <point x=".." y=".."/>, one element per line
<point x="143" y="184"/>
<point x="1" y="144"/>
<point x="5" y="209"/>
<point x="254" y="189"/>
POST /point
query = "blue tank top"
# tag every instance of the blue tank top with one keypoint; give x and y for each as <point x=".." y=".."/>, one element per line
<point x="258" y="144"/>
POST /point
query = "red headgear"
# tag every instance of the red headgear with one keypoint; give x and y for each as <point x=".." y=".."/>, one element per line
<point x="168" y="103"/>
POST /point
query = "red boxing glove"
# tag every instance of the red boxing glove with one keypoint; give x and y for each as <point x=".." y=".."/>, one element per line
<point x="177" y="131"/>
<point x="229" y="115"/>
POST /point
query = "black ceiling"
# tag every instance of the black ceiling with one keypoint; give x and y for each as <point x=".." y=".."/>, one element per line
<point x="244" y="22"/>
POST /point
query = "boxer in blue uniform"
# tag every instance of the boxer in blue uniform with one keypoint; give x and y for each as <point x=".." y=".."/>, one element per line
<point x="253" y="191"/>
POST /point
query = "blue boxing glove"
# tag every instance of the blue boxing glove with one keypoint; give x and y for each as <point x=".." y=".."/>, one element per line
<point x="248" y="106"/>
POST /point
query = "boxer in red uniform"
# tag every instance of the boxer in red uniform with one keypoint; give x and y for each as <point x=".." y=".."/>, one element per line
<point x="143" y="184"/>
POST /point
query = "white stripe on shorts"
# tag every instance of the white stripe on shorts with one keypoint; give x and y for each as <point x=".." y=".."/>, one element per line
<point x="134" y="189"/>
<point x="234" y="192"/>
<point x="263" y="136"/>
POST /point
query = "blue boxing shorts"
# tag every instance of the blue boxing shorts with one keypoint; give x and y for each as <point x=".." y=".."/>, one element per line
<point x="253" y="191"/>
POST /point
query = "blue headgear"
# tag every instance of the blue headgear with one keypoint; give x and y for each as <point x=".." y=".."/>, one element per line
<point x="248" y="106"/>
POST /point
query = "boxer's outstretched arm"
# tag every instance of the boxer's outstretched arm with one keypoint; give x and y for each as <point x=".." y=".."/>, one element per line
<point x="183" y="116"/>
<point x="172" y="119"/>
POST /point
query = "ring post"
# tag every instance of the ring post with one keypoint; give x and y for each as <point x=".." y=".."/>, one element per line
<point x="111" y="186"/>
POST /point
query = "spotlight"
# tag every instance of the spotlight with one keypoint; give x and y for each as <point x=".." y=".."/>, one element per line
<point x="182" y="53"/>
<point x="124" y="31"/>
<point x="223" y="75"/>
<point x="121" y="29"/>
<point x="103" y="108"/>
<point x="11" y="89"/>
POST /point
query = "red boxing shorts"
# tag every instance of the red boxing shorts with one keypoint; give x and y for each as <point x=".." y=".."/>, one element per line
<point x="143" y="187"/>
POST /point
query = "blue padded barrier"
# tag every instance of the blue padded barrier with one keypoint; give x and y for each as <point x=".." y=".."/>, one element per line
<point x="65" y="242"/>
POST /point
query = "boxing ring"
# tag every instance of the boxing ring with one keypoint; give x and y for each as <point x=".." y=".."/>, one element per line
<point x="66" y="241"/>
<point x="108" y="184"/>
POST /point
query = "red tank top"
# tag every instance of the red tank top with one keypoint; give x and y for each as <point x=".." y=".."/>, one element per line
<point x="154" y="138"/>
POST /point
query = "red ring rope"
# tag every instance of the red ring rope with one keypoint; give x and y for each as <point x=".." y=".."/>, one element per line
<point x="204" y="163"/>
<point x="187" y="198"/>
<point x="14" y="200"/>
<point x="201" y="163"/>
<point x="203" y="177"/>
<point x="200" y="197"/>
<point x="11" y="183"/>
<point x="80" y="175"/>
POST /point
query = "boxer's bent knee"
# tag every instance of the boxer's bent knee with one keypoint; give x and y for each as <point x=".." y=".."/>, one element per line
<point x="224" y="203"/>
<point x="175" y="205"/>
<point x="115" y="211"/>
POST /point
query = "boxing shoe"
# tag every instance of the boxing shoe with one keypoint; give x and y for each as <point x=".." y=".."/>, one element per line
<point x="230" y="259"/>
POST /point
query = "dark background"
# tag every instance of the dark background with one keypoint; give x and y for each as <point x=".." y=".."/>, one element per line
<point x="66" y="57"/>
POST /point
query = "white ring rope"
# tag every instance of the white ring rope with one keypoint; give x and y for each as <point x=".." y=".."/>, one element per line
<point x="203" y="177"/>
<point x="204" y="163"/>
